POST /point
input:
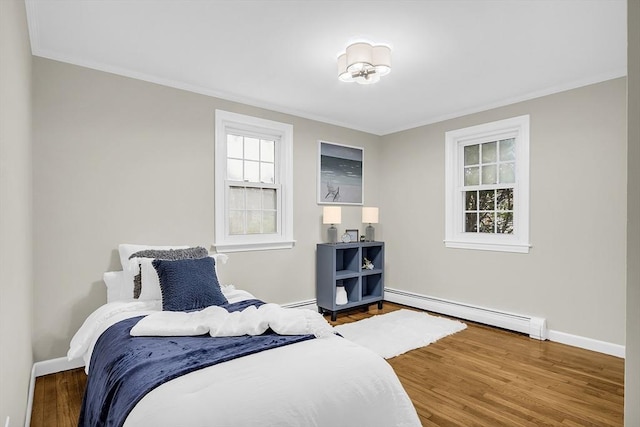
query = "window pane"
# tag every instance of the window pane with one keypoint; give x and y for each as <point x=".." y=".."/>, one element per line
<point x="254" y="198"/>
<point x="471" y="222"/>
<point x="504" y="223"/>
<point x="471" y="200"/>
<point x="254" y="221"/>
<point x="489" y="174"/>
<point x="234" y="146"/>
<point x="234" y="170"/>
<point x="472" y="154"/>
<point x="504" y="199"/>
<point x="507" y="173"/>
<point x="252" y="171"/>
<point x="489" y="152"/>
<point x="486" y="222"/>
<point x="236" y="222"/>
<point x="268" y="198"/>
<point x="507" y="149"/>
<point x="269" y="222"/>
<point x="236" y="198"/>
<point x="472" y="176"/>
<point x="267" y="173"/>
<point x="487" y="202"/>
<point x="267" y="151"/>
<point x="252" y="149"/>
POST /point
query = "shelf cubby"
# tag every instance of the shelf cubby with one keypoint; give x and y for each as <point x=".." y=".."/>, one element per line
<point x="371" y="286"/>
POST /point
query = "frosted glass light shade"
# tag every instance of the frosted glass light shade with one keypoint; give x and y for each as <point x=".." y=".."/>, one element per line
<point x="370" y="215"/>
<point x="331" y="215"/>
<point x="368" y="79"/>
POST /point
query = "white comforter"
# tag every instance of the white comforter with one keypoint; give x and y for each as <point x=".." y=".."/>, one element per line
<point x="321" y="382"/>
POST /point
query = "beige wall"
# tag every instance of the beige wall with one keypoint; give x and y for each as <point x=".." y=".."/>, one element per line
<point x="574" y="275"/>
<point x="632" y="360"/>
<point x="118" y="160"/>
<point x="16" y="284"/>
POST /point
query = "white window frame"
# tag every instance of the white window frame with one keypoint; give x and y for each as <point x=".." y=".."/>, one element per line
<point x="227" y="122"/>
<point x="455" y="141"/>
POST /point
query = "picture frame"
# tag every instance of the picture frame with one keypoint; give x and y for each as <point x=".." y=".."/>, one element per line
<point x="340" y="174"/>
<point x="353" y="234"/>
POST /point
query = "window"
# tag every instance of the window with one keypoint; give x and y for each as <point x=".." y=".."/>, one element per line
<point x="254" y="183"/>
<point x="487" y="186"/>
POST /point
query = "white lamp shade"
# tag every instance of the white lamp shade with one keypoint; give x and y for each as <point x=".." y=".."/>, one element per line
<point x="331" y="215"/>
<point x="343" y="74"/>
<point x="370" y="215"/>
<point x="358" y="55"/>
<point x="382" y="59"/>
<point x="364" y="63"/>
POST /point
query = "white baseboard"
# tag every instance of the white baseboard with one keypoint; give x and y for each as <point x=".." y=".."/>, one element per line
<point x="52" y="366"/>
<point x="587" y="343"/>
<point x="310" y="304"/>
<point x="535" y="327"/>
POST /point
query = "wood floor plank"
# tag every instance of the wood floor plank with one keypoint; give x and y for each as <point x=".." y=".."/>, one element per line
<point x="50" y="404"/>
<point x="37" y="412"/>
<point x="480" y="376"/>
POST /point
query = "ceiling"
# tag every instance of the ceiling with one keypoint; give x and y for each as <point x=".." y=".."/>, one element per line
<point x="449" y="58"/>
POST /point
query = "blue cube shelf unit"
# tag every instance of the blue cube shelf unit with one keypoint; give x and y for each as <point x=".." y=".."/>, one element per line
<point x="340" y="264"/>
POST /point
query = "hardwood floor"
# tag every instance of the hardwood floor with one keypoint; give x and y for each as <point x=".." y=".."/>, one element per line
<point x="57" y="399"/>
<point x="481" y="376"/>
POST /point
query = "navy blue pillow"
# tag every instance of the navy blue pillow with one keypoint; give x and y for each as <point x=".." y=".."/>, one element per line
<point x="188" y="284"/>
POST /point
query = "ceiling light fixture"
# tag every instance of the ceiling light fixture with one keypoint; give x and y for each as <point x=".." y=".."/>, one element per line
<point x="364" y="63"/>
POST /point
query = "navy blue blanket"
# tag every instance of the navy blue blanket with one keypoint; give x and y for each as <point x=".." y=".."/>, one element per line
<point x="125" y="368"/>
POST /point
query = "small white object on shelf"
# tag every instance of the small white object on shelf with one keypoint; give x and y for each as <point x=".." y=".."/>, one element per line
<point x="341" y="295"/>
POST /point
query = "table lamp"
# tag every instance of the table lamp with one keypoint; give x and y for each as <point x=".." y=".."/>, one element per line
<point x="370" y="216"/>
<point x="332" y="215"/>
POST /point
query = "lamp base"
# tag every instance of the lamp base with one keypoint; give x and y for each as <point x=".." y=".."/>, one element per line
<point x="333" y="234"/>
<point x="369" y="234"/>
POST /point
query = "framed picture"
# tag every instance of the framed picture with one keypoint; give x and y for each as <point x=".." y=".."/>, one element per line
<point x="340" y="174"/>
<point x="354" y="235"/>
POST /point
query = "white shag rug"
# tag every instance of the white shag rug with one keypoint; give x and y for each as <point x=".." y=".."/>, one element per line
<point x="394" y="333"/>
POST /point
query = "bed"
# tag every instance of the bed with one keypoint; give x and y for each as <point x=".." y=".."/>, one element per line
<point x="310" y="378"/>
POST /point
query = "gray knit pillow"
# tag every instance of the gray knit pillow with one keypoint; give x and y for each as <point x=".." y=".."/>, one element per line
<point x="197" y="252"/>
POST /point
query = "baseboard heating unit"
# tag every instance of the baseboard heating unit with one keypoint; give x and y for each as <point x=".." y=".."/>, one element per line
<point x="535" y="327"/>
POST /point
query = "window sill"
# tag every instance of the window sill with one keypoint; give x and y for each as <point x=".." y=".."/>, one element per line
<point x="246" y="247"/>
<point x="522" y="248"/>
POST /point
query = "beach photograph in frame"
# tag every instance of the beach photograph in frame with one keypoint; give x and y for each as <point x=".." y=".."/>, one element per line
<point x="340" y="174"/>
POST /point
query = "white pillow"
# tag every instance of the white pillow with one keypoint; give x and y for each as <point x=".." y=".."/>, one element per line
<point x="171" y="324"/>
<point x="220" y="259"/>
<point x="150" y="280"/>
<point x="116" y="286"/>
